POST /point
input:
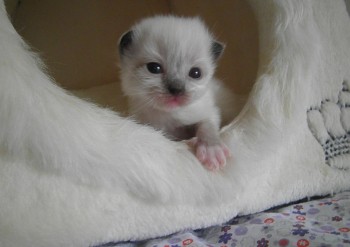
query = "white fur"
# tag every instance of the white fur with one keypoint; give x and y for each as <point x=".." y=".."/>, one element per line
<point x="73" y="174"/>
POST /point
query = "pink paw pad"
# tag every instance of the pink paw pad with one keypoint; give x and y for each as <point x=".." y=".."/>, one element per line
<point x="212" y="157"/>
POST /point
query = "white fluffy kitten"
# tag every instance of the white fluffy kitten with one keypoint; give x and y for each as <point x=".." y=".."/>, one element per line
<point x="167" y="67"/>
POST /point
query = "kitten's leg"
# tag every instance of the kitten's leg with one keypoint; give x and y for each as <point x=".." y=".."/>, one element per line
<point x="210" y="151"/>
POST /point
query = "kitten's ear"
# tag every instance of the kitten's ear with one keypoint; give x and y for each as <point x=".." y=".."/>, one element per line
<point x="125" y="42"/>
<point x="216" y="49"/>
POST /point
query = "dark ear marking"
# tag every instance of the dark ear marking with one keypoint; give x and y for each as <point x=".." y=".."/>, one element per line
<point x="125" y="42"/>
<point x="216" y="49"/>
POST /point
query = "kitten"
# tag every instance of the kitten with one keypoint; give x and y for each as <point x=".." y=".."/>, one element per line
<point x="167" y="67"/>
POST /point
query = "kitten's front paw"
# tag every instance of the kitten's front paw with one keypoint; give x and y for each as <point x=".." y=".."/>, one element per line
<point x="213" y="157"/>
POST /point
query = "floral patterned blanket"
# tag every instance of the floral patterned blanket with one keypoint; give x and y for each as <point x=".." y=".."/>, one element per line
<point x="319" y="222"/>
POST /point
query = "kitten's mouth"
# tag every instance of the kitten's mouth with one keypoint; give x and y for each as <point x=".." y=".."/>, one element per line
<point x="175" y="101"/>
<point x="170" y="102"/>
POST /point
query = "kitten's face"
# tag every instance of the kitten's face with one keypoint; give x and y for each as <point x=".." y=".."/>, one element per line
<point x="167" y="62"/>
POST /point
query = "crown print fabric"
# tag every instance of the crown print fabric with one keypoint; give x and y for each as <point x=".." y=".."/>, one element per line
<point x="330" y="125"/>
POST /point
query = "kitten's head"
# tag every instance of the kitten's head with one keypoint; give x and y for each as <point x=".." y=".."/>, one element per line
<point x="168" y="61"/>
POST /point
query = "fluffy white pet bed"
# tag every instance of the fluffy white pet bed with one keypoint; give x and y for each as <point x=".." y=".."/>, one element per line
<point x="73" y="174"/>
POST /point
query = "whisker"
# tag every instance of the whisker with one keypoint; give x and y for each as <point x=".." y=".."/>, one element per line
<point x="135" y="93"/>
<point x="142" y="105"/>
<point x="196" y="87"/>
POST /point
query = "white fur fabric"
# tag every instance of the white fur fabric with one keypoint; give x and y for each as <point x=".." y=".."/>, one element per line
<point x="73" y="174"/>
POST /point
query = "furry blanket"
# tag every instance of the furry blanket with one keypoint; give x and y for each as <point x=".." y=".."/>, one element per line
<point x="74" y="174"/>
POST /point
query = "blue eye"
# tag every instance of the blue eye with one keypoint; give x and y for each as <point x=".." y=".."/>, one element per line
<point x="154" y="68"/>
<point x="195" y="73"/>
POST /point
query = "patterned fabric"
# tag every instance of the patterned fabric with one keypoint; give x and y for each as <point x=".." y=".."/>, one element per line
<point x="323" y="222"/>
